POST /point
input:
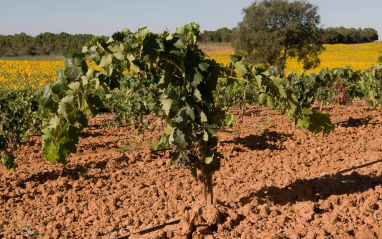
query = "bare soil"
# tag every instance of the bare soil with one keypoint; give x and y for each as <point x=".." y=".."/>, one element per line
<point x="216" y="47"/>
<point x="275" y="181"/>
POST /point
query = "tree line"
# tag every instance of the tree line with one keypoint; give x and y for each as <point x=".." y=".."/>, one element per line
<point x="42" y="44"/>
<point x="56" y="44"/>
<point x="331" y="35"/>
<point x="334" y="35"/>
<point x="220" y="35"/>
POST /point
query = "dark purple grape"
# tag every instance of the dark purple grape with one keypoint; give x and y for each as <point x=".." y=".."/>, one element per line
<point x="184" y="162"/>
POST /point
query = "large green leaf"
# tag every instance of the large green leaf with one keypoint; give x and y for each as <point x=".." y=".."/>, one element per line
<point x="166" y="105"/>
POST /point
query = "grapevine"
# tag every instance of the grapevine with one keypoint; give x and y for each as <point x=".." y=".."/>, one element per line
<point x="18" y="116"/>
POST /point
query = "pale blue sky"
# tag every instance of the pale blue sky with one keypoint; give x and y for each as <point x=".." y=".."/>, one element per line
<point x="107" y="16"/>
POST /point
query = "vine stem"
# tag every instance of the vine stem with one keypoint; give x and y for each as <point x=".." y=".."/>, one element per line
<point x="243" y="106"/>
<point x="208" y="190"/>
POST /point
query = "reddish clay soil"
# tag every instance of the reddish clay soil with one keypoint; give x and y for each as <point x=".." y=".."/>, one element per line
<point x="275" y="182"/>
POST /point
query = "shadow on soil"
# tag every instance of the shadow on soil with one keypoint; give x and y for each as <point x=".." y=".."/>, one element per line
<point x="355" y="122"/>
<point x="267" y="140"/>
<point x="42" y="177"/>
<point x="87" y="134"/>
<point x="73" y="172"/>
<point x="317" y="188"/>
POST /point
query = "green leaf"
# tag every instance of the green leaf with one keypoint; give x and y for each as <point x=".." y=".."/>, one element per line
<point x="205" y="136"/>
<point x="240" y="67"/>
<point x="105" y="61"/>
<point x="283" y="92"/>
<point x="278" y="81"/>
<point x="203" y="117"/>
<point x="307" y="112"/>
<point x="143" y="32"/>
<point x="169" y="130"/>
<point x="198" y="95"/>
<point x="63" y="109"/>
<point x="180" y="140"/>
<point x="270" y="102"/>
<point x="135" y="67"/>
<point x="166" y="105"/>
<point x="263" y="98"/>
<point x="179" y="44"/>
<point x="203" y="66"/>
<point x="75" y="86"/>
<point x="304" y="122"/>
<point x="54" y="122"/>
<point x="50" y="150"/>
<point x="69" y="99"/>
<point x="323" y="73"/>
<point x="235" y="58"/>
<point x="118" y="52"/>
<point x="197" y="79"/>
<point x="190" y="113"/>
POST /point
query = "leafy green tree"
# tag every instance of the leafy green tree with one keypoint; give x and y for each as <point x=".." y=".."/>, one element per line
<point x="332" y="36"/>
<point x="274" y="30"/>
<point x="369" y="35"/>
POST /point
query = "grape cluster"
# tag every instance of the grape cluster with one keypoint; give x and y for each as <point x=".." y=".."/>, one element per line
<point x="184" y="162"/>
<point x="191" y="157"/>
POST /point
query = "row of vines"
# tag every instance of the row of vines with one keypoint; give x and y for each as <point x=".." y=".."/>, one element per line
<point x="166" y="75"/>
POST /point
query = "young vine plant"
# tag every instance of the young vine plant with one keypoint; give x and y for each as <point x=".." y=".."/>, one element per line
<point x="166" y="75"/>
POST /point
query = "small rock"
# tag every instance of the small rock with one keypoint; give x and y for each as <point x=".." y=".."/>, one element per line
<point x="305" y="210"/>
<point x="127" y="222"/>
<point x="264" y="210"/>
<point x="326" y="205"/>
<point x="247" y="210"/>
<point x="100" y="184"/>
<point x="211" y="215"/>
<point x="273" y="214"/>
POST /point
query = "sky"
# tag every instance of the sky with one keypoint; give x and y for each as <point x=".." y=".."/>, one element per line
<point x="108" y="16"/>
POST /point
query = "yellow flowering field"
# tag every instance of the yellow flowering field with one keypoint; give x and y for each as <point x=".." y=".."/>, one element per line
<point x="21" y="74"/>
<point x="18" y="74"/>
<point x="359" y="57"/>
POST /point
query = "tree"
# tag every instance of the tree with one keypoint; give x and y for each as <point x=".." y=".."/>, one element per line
<point x="332" y="36"/>
<point x="274" y="30"/>
<point x="369" y="35"/>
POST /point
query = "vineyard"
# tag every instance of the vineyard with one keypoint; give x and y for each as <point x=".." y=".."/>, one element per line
<point x="146" y="131"/>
